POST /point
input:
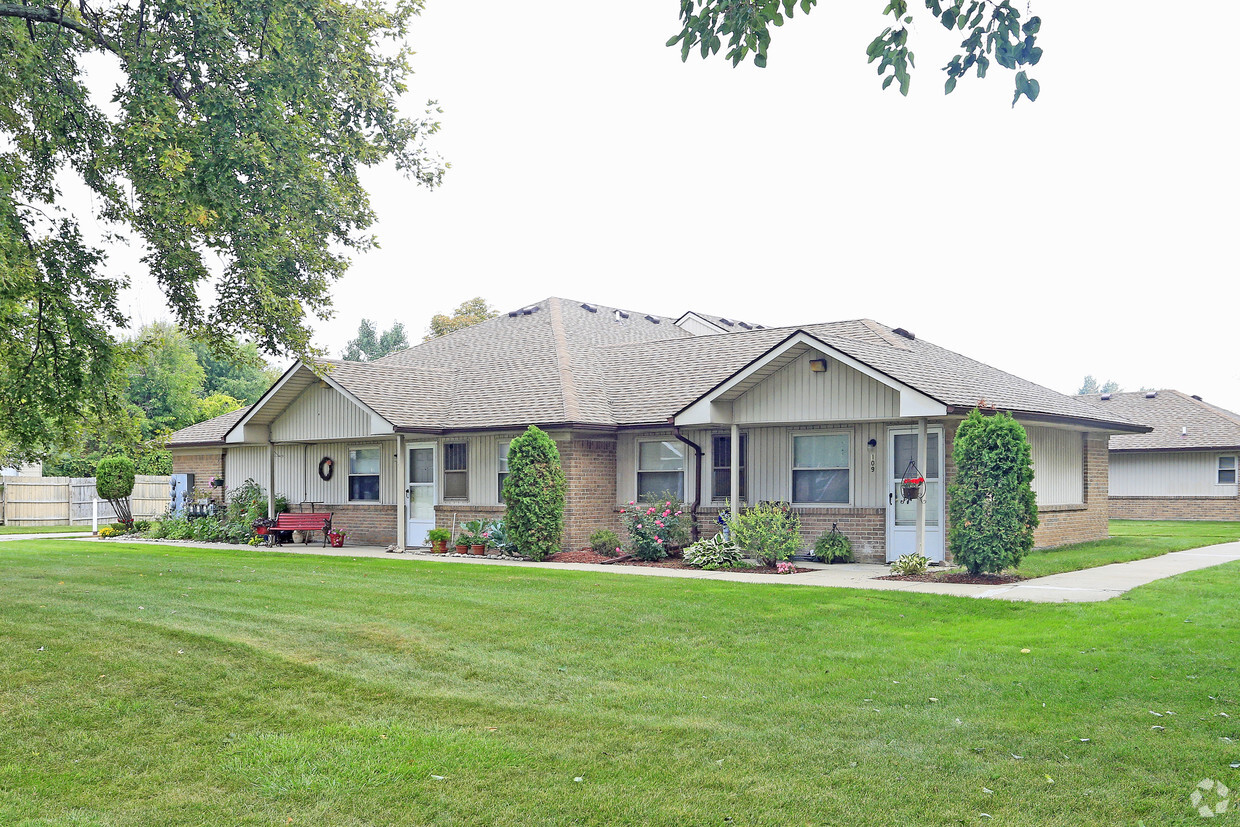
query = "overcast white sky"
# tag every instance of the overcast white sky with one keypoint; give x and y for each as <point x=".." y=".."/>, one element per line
<point x="1091" y="232"/>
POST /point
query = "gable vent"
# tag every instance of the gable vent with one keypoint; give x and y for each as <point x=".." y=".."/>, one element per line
<point x="1151" y="395"/>
<point x="1198" y="398"/>
<point x="899" y="331"/>
<point x="652" y="319"/>
<point x="746" y="326"/>
<point x="1106" y="397"/>
<point x="590" y="308"/>
<point x="728" y="322"/>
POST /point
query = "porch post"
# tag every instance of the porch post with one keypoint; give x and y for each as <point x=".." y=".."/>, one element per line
<point x="271" y="480"/>
<point x="734" y="486"/>
<point x="402" y="493"/>
<point x="921" y="501"/>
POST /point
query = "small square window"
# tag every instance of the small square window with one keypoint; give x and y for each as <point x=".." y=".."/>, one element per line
<point x="1227" y="470"/>
<point x="456" y="471"/>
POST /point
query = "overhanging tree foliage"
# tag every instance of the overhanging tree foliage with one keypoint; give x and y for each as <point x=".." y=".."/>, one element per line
<point x="992" y="31"/>
<point x="993" y="509"/>
<point x="230" y="150"/>
<point x="534" y="494"/>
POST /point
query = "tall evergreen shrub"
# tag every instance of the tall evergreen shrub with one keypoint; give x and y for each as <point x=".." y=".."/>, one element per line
<point x="534" y="495"/>
<point x="114" y="478"/>
<point x="991" y="502"/>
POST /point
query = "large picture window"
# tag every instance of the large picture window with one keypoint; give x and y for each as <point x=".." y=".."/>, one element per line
<point x="456" y="471"/>
<point x="660" y="467"/>
<point x="364" y="474"/>
<point x="1226" y="470"/>
<point x="721" y="466"/>
<point x="820" y="468"/>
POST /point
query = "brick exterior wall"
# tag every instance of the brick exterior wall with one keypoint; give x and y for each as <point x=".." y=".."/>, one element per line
<point x="203" y="463"/>
<point x="1060" y="525"/>
<point x="590" y="474"/>
<point x="866" y="528"/>
<point x="365" y="525"/>
<point x="1175" y="508"/>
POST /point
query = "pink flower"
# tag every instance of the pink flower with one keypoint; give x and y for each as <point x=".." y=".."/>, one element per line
<point x="630" y="502"/>
<point x="659" y="524"/>
<point x="665" y="513"/>
<point x="669" y="502"/>
<point x="617" y="549"/>
<point x="650" y="510"/>
<point x="678" y="513"/>
<point x="639" y="525"/>
<point x="658" y="540"/>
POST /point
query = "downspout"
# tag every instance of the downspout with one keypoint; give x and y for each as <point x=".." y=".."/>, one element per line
<point x="694" y="533"/>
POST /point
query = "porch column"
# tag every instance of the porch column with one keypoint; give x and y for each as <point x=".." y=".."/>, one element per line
<point x="402" y="493"/>
<point x="271" y="480"/>
<point x="734" y="487"/>
<point x="921" y="501"/>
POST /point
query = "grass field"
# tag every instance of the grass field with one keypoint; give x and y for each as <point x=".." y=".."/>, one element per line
<point x="42" y="529"/>
<point x="1130" y="540"/>
<point x="150" y="685"/>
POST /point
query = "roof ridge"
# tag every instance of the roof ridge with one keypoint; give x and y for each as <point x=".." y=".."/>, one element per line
<point x="563" y="358"/>
<point x="883" y="332"/>
<point x="1223" y="412"/>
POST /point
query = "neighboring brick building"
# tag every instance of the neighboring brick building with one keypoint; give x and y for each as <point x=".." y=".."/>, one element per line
<point x="826" y="417"/>
<point x="1185" y="468"/>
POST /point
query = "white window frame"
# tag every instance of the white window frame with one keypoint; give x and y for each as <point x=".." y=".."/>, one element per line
<point x="451" y="474"/>
<point x="502" y="465"/>
<point x="852" y="473"/>
<point x="637" y="465"/>
<point x="1219" y="469"/>
<point x="726" y="493"/>
<point x="378" y="475"/>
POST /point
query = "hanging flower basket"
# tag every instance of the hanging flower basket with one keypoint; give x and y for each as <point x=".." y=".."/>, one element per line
<point x="911" y="487"/>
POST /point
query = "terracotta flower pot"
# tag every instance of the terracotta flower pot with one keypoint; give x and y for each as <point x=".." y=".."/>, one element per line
<point x="478" y="549"/>
<point x="440" y="547"/>
<point x="462" y="549"/>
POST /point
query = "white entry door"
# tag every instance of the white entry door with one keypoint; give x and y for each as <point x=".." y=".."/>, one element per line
<point x="902" y="516"/>
<point x="420" y="491"/>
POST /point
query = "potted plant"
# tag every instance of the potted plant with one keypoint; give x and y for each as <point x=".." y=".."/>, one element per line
<point x="462" y="544"/>
<point x="336" y="538"/>
<point x="438" y="538"/>
<point x="474" y="533"/>
<point x="911" y="487"/>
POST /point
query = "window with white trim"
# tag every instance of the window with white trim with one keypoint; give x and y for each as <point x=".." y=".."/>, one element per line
<point x="660" y="467"/>
<point x="503" y="468"/>
<point x="456" y="471"/>
<point x="1226" y="470"/>
<point x="721" y="466"/>
<point x="363" y="475"/>
<point x="820" y="468"/>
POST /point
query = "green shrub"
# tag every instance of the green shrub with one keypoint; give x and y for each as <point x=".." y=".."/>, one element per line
<point x="993" y="510"/>
<point x="910" y="564"/>
<point x="157" y="531"/>
<point x="142" y="525"/>
<point x="605" y="542"/>
<point x="768" y="532"/>
<point x="114" y="478"/>
<point x="107" y="531"/>
<point x="177" y="528"/>
<point x="534" y="495"/>
<point x="833" y="547"/>
<point x="206" y="530"/>
<point x="656" y="526"/>
<point x="715" y="553"/>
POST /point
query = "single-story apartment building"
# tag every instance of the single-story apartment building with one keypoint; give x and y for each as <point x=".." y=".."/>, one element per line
<point x="826" y="417"/>
<point x="1185" y="468"/>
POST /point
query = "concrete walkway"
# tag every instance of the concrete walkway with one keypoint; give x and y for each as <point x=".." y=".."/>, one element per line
<point x="1085" y="586"/>
<point x="68" y="535"/>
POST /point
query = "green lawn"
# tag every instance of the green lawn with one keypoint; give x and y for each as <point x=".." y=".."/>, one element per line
<point x="43" y="529"/>
<point x="152" y="685"/>
<point x="1130" y="540"/>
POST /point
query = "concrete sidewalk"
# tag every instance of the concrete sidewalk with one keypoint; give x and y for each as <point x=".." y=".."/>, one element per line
<point x="68" y="535"/>
<point x="1085" y="586"/>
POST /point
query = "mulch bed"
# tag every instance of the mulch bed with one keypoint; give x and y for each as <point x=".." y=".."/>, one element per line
<point x="591" y="556"/>
<point x="957" y="577"/>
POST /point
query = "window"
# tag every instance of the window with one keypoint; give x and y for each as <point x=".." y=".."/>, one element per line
<point x="503" y="467"/>
<point x="1226" y="470"/>
<point x="820" y="464"/>
<point x="721" y="466"/>
<point x="364" y="474"/>
<point x="456" y="471"/>
<point x="660" y="467"/>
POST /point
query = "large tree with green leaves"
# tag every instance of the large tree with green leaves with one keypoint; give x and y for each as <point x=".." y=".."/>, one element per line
<point x="992" y="31"/>
<point x="467" y="313"/>
<point x="370" y="344"/>
<point x="230" y="151"/>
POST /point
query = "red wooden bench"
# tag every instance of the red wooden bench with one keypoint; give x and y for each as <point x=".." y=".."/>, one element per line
<point x="307" y="523"/>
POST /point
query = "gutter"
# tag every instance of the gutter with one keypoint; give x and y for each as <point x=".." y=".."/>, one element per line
<point x="694" y="533"/>
<point x="1062" y="419"/>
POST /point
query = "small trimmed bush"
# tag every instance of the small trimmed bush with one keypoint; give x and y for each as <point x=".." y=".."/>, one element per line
<point x="114" y="478"/>
<point x="714" y="554"/>
<point x="910" y="564"/>
<point x="605" y="542"/>
<point x="768" y="532"/>
<point x="534" y="495"/>
<point x="833" y="547"/>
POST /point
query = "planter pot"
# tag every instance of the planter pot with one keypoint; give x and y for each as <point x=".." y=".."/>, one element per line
<point x="911" y="492"/>
<point x="478" y="549"/>
<point x="335" y="540"/>
<point x="462" y="549"/>
<point x="440" y="547"/>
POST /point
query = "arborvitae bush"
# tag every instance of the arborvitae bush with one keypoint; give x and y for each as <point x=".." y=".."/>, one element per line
<point x="114" y="478"/>
<point x="534" y="495"/>
<point x="991" y="502"/>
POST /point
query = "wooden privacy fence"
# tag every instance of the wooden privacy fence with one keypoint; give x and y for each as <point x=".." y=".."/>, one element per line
<point x="35" y="501"/>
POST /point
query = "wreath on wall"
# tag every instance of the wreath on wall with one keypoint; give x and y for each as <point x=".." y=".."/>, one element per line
<point x="325" y="468"/>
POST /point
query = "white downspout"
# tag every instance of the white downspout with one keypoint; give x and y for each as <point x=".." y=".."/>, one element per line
<point x="271" y="480"/>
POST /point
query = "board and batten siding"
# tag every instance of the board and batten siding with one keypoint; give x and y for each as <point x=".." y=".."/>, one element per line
<point x="796" y="393"/>
<point x="1168" y="474"/>
<point x="482" y="462"/>
<point x="769" y="463"/>
<point x="321" y="413"/>
<point x="1058" y="465"/>
<point x="297" y="470"/>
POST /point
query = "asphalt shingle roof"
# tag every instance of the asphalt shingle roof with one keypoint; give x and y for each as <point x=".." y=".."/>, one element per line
<point x="567" y="362"/>
<point x="209" y="431"/>
<point x="1179" y="421"/>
